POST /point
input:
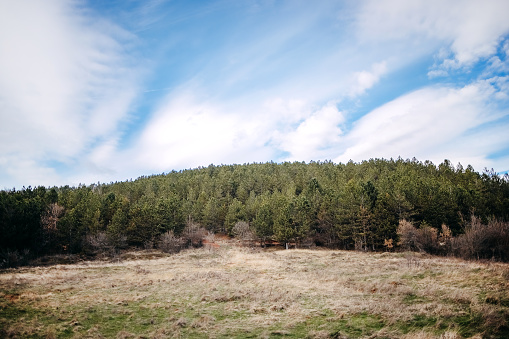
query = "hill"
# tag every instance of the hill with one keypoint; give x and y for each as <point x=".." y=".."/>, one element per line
<point x="345" y="206"/>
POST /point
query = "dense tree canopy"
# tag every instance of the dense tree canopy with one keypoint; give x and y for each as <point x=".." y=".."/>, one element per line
<point x="353" y="205"/>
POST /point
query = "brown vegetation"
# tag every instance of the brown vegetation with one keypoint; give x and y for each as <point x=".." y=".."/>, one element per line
<point x="229" y="291"/>
<point x="479" y="241"/>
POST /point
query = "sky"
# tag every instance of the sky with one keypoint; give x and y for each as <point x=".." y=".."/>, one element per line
<point x="99" y="91"/>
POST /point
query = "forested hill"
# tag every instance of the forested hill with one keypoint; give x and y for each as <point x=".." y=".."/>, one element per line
<point x="353" y="205"/>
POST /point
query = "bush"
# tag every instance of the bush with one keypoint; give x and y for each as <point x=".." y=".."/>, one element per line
<point x="481" y="241"/>
<point x="193" y="234"/>
<point x="99" y="242"/>
<point x="445" y="240"/>
<point x="427" y="239"/>
<point x="424" y="239"/>
<point x="242" y="231"/>
<point x="103" y="243"/>
<point x="407" y="235"/>
<point x="169" y="243"/>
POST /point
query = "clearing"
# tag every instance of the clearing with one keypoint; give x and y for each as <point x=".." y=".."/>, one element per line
<point x="236" y="292"/>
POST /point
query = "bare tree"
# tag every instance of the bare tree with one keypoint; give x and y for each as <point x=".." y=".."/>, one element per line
<point x="49" y="222"/>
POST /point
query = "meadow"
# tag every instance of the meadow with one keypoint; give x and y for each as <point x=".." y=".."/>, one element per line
<point x="228" y="291"/>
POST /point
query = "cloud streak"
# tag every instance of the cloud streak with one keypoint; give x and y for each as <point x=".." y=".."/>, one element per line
<point x="470" y="30"/>
<point x="432" y="123"/>
<point x="63" y="86"/>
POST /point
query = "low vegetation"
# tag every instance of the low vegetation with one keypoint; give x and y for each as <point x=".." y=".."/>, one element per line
<point x="223" y="290"/>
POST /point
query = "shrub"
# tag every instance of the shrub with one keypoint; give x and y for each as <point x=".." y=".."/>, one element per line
<point x="103" y="243"/>
<point x="193" y="234"/>
<point x="445" y="240"/>
<point x="99" y="242"/>
<point x="242" y="231"/>
<point x="424" y="239"/>
<point x="481" y="241"/>
<point x="149" y="244"/>
<point x="427" y="239"/>
<point x="407" y="235"/>
<point x="169" y="243"/>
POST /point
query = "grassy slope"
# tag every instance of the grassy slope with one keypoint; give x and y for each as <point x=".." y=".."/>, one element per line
<point x="237" y="292"/>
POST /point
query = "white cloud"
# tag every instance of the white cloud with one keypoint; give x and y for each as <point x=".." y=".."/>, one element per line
<point x="315" y="137"/>
<point x="187" y="132"/>
<point x="290" y="111"/>
<point x="364" y="80"/>
<point x="470" y="29"/>
<point x="64" y="84"/>
<point x="431" y="123"/>
<point x="32" y="172"/>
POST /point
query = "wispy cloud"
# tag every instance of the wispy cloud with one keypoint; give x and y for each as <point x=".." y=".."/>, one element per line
<point x="469" y="30"/>
<point x="106" y="91"/>
<point x="64" y="85"/>
<point x="253" y="98"/>
<point x="433" y="123"/>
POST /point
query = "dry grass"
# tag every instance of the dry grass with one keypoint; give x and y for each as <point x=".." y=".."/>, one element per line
<point x="238" y="292"/>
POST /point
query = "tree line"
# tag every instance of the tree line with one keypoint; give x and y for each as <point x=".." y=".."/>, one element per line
<point x="347" y="206"/>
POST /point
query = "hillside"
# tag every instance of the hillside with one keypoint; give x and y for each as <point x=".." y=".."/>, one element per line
<point x="344" y="206"/>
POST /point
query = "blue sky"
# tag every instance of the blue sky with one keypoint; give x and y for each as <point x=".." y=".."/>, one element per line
<point x="107" y="91"/>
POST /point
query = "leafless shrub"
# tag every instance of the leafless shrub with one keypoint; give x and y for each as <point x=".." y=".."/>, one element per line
<point x="407" y="235"/>
<point x="308" y="242"/>
<point x="194" y="234"/>
<point x="427" y="239"/>
<point x="149" y="244"/>
<point x="424" y="239"/>
<point x="445" y="240"/>
<point x="209" y="241"/>
<point x="210" y="237"/>
<point x="118" y="241"/>
<point x="481" y="241"/>
<point x="103" y="243"/>
<point x="99" y="242"/>
<point x="49" y="221"/>
<point x="169" y="243"/>
<point x="242" y="231"/>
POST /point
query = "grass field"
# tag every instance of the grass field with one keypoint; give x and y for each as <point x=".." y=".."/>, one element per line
<point x="235" y="292"/>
